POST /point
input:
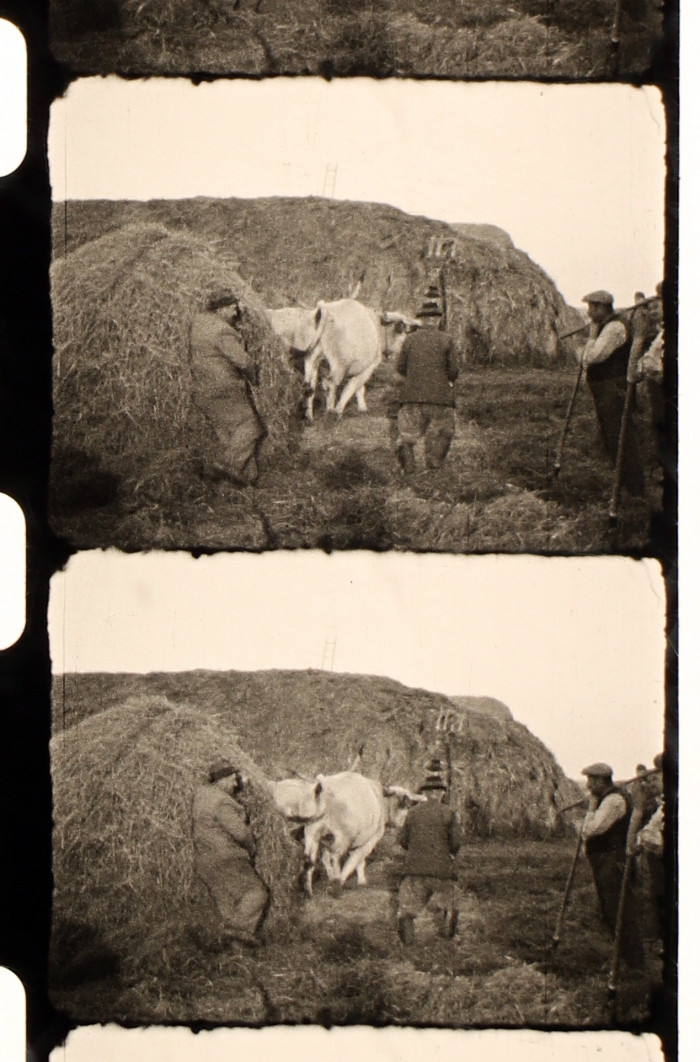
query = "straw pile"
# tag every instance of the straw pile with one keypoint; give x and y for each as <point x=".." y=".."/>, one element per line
<point x="504" y="310"/>
<point x="123" y="783"/>
<point x="505" y="781"/>
<point x="122" y="310"/>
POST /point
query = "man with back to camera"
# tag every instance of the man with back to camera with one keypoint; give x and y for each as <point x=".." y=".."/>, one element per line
<point x="606" y="360"/>
<point x="431" y="837"/>
<point x="605" y="832"/>
<point x="429" y="364"/>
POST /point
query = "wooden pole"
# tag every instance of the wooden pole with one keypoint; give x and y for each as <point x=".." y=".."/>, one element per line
<point x="556" y="937"/>
<point x="567" y="420"/>
<point x="443" y="296"/>
<point x="617" y="478"/>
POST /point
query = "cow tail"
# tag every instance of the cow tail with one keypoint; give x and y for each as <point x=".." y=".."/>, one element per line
<point x="319" y="322"/>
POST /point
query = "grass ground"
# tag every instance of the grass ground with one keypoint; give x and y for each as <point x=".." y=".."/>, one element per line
<point x="343" y="963"/>
<point x="345" y="490"/>
<point x="450" y="38"/>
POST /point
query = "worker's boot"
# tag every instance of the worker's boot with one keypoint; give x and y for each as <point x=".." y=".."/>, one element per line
<point x="407" y="458"/>
<point x="407" y="930"/>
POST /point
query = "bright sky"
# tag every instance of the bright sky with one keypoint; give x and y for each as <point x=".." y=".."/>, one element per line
<point x="575" y="648"/>
<point x="574" y="173"/>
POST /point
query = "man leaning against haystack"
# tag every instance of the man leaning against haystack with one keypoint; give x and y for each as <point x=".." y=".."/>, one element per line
<point x="222" y="375"/>
<point x="224" y="850"/>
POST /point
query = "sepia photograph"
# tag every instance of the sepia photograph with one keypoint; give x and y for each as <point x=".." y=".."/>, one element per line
<point x="558" y="39"/>
<point x="380" y="315"/>
<point x="398" y="791"/>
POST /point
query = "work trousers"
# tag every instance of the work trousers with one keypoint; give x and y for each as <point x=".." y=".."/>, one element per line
<point x="417" y="891"/>
<point x="609" y="400"/>
<point x="240" y="896"/>
<point x="432" y="424"/>
<point x="235" y="430"/>
<point x="608" y="870"/>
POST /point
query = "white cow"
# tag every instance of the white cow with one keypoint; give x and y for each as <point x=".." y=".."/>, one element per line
<point x="343" y="815"/>
<point x="350" y="337"/>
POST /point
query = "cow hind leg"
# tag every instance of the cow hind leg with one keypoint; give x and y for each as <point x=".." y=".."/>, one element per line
<point x="356" y="860"/>
<point x="351" y="388"/>
<point x="331" y="389"/>
<point x="311" y="368"/>
<point x="331" y="863"/>
<point x="360" y="398"/>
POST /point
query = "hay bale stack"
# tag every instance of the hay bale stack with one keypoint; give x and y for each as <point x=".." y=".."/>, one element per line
<point x="504" y="309"/>
<point x="505" y="781"/>
<point x="122" y="306"/>
<point x="123" y="783"/>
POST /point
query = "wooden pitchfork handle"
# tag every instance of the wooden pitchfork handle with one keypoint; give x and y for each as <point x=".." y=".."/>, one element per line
<point x="556" y="936"/>
<point x="567" y="421"/>
<point x="615" y="961"/>
<point x="624" y="427"/>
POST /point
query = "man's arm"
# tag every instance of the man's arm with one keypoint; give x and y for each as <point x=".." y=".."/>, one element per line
<point x="233" y="821"/>
<point x="651" y="364"/>
<point x="230" y="346"/>
<point x="641" y="340"/>
<point x="611" y="808"/>
<point x="611" y="337"/>
<point x="651" y="836"/>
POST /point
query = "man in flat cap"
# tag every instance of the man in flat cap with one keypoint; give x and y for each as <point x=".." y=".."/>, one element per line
<point x="431" y="837"/>
<point x="429" y="365"/>
<point x="649" y="364"/>
<point x="224" y="849"/>
<point x="223" y="374"/>
<point x="606" y="360"/>
<point x="605" y="832"/>
<point x="650" y="845"/>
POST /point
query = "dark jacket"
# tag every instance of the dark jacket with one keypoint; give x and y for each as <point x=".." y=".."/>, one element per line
<point x="431" y="837"/>
<point x="217" y="355"/>
<point x="615" y="366"/>
<point x="613" y="840"/>
<point x="428" y="361"/>
<point x="221" y="830"/>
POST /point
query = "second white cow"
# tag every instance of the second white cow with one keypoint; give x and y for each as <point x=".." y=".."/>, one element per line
<point x="350" y="337"/>
<point x="344" y="816"/>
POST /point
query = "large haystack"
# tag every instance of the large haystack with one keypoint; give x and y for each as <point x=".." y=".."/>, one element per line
<point x="504" y="309"/>
<point x="505" y="781"/>
<point x="123" y="785"/>
<point x="122" y="308"/>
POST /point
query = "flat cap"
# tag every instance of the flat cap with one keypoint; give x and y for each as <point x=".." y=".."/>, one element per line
<point x="598" y="770"/>
<point x="603" y="297"/>
<point x="220" y="768"/>
<point x="219" y="299"/>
